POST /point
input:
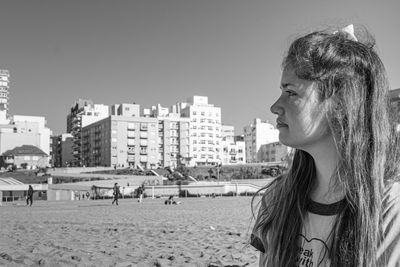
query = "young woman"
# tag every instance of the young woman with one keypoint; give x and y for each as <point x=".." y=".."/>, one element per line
<point x="338" y="204"/>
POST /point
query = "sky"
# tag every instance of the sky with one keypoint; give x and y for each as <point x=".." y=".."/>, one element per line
<point x="153" y="52"/>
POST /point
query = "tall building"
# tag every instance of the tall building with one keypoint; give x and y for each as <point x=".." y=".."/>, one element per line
<point x="232" y="148"/>
<point x="21" y="131"/>
<point x="273" y="152"/>
<point x="205" y="130"/>
<point x="4" y="95"/>
<point x="121" y="141"/>
<point x="173" y="141"/>
<point x="188" y="133"/>
<point x="257" y="134"/>
<point x="173" y="136"/>
<point x="83" y="113"/>
<point x="62" y="147"/>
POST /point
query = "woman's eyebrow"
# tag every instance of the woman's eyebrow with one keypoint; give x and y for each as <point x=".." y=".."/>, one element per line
<point x="285" y="85"/>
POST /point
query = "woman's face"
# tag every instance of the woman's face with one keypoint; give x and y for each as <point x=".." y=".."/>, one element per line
<point x="301" y="120"/>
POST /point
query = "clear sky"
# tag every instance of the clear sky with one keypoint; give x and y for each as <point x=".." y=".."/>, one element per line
<point x="164" y="51"/>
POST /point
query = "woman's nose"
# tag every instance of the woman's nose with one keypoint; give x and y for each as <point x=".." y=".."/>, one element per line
<point x="276" y="108"/>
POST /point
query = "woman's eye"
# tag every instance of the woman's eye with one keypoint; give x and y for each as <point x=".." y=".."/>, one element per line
<point x="290" y="93"/>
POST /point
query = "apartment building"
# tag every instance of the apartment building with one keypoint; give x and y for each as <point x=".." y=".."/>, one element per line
<point x="257" y="134"/>
<point x="232" y="148"/>
<point x="121" y="141"/>
<point x="83" y="113"/>
<point x="188" y="133"/>
<point x="127" y="110"/>
<point x="62" y="147"/>
<point x="205" y="130"/>
<point x="173" y="136"/>
<point x="4" y="95"/>
<point x="273" y="152"/>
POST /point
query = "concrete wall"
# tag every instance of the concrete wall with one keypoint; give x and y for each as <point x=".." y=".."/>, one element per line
<point x="202" y="189"/>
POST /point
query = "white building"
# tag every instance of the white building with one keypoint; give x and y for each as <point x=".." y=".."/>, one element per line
<point x="257" y="134"/>
<point x="25" y="130"/>
<point x="83" y="113"/>
<point x="4" y="95"/>
<point x="126" y="110"/>
<point x="232" y="148"/>
<point x="205" y="130"/>
<point x="173" y="136"/>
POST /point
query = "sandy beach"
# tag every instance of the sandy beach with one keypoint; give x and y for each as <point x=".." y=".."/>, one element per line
<point x="198" y="232"/>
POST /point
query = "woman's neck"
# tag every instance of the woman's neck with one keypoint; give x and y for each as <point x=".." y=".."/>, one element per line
<point x="326" y="158"/>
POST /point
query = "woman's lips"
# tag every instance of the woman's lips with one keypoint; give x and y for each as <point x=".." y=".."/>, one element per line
<point x="280" y="124"/>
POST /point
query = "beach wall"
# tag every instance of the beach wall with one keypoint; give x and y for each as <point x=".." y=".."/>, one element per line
<point x="67" y="170"/>
<point x="109" y="179"/>
<point x="202" y="189"/>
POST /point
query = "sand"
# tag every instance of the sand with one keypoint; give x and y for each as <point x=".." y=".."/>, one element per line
<point x="198" y="232"/>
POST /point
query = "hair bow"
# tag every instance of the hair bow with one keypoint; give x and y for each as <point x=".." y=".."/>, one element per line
<point x="349" y="29"/>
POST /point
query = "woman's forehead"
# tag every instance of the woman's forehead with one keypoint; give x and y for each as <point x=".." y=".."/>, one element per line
<point x="289" y="77"/>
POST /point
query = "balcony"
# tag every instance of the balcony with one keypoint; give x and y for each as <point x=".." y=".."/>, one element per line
<point x="143" y="135"/>
<point x="131" y="150"/>
<point x="143" y="127"/>
<point x="131" y="126"/>
<point x="143" y="142"/>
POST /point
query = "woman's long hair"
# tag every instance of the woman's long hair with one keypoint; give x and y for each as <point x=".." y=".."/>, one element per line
<point x="352" y="80"/>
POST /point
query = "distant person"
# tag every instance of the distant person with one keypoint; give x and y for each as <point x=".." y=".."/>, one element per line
<point x="87" y="195"/>
<point x="171" y="201"/>
<point x="140" y="193"/>
<point x="29" y="197"/>
<point x="116" y="194"/>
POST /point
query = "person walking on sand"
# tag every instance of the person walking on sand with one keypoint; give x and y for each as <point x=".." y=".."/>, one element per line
<point x="29" y="197"/>
<point x="116" y="194"/>
<point x="140" y="193"/>
<point x="339" y="202"/>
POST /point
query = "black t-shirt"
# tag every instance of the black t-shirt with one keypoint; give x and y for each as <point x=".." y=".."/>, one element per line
<point x="314" y="242"/>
